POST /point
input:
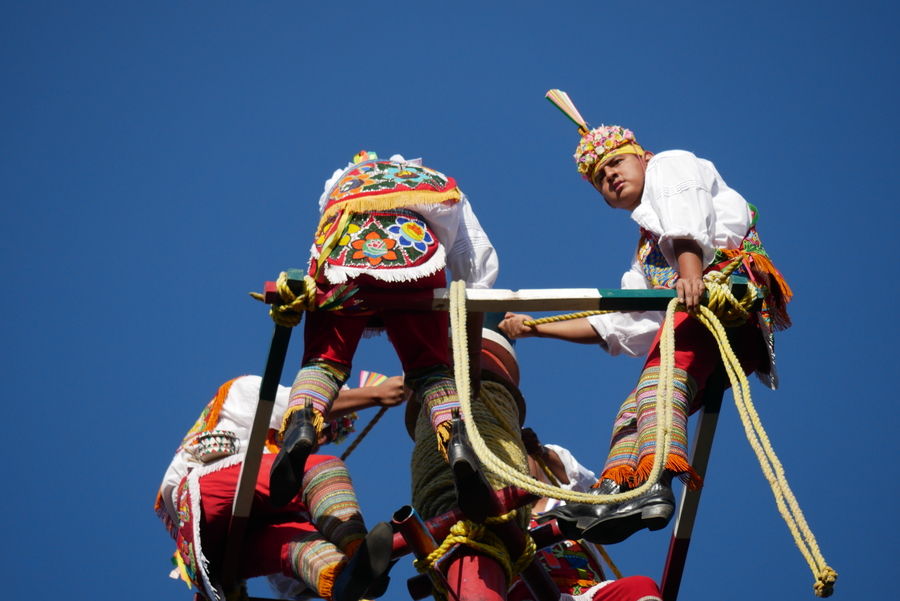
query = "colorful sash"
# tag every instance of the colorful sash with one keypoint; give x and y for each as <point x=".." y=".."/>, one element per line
<point x="755" y="265"/>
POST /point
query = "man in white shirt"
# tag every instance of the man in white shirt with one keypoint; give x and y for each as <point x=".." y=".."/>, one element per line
<point x="691" y="222"/>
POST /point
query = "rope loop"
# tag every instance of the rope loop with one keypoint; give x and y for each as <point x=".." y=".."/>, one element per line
<point x="726" y="307"/>
<point x="482" y="539"/>
<point x="732" y="310"/>
<point x="290" y="311"/>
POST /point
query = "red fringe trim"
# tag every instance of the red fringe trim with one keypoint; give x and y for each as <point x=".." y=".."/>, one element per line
<point x="675" y="464"/>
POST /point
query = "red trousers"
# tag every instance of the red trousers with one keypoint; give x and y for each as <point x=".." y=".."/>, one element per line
<point x="697" y="352"/>
<point x="421" y="338"/>
<point x="265" y="546"/>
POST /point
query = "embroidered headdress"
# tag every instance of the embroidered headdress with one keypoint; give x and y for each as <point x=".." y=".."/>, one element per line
<point x="597" y="145"/>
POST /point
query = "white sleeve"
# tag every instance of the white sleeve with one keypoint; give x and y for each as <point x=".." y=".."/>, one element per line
<point x="177" y="470"/>
<point x="580" y="478"/>
<point x="284" y="587"/>
<point x="470" y="255"/>
<point x="679" y="190"/>
<point x="630" y="333"/>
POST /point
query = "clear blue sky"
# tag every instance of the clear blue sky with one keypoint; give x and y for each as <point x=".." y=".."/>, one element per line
<point x="158" y="163"/>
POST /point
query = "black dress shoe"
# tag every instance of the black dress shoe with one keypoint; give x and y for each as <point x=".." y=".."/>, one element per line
<point x="286" y="477"/>
<point x="473" y="491"/>
<point x="653" y="510"/>
<point x="574" y="518"/>
<point x="366" y="573"/>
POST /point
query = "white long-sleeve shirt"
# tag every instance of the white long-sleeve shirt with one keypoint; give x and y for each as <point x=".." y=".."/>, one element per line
<point x="684" y="198"/>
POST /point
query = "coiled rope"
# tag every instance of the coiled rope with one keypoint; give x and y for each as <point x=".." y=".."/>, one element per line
<point x="733" y="311"/>
<point x="433" y="491"/>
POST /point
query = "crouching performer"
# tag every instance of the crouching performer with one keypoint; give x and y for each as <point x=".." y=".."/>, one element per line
<point x="690" y="223"/>
<point x="316" y="544"/>
<point x="386" y="225"/>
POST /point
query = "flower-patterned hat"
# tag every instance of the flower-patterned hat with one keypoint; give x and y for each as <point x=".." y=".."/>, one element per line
<point x="597" y="145"/>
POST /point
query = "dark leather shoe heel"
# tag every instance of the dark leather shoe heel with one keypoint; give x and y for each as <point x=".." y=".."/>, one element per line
<point x="473" y="491"/>
<point x="365" y="575"/>
<point x="286" y="477"/>
<point x="652" y="510"/>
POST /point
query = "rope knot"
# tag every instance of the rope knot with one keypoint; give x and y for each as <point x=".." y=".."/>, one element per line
<point x="293" y="301"/>
<point x="726" y="307"/>
<point x="824" y="587"/>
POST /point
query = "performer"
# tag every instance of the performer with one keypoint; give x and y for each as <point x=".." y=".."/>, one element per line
<point x="575" y="566"/>
<point x="316" y="544"/>
<point x="386" y="224"/>
<point x="690" y="222"/>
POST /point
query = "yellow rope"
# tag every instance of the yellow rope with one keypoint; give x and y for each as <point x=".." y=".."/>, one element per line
<point x="290" y="312"/>
<point x="480" y="538"/>
<point x="493" y="463"/>
<point x="609" y="561"/>
<point x="568" y="316"/>
<point x="733" y="312"/>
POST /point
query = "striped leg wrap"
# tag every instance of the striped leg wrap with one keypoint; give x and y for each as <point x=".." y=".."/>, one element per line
<point x="623" y="450"/>
<point x="314" y="561"/>
<point x="318" y="382"/>
<point x="437" y="391"/>
<point x="329" y="495"/>
<point x="685" y="389"/>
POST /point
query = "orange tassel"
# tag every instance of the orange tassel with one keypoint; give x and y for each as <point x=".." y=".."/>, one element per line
<point x="675" y="464"/>
<point x="621" y="474"/>
<point x="352" y="547"/>
<point x="325" y="585"/>
<point x="778" y="287"/>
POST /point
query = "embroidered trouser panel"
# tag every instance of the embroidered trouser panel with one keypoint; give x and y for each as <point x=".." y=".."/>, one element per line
<point x="329" y="495"/>
<point x="313" y="560"/>
<point x="634" y="439"/>
<point x="319" y="383"/>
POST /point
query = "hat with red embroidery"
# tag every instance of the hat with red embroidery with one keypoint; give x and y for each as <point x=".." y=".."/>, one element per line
<point x="597" y="145"/>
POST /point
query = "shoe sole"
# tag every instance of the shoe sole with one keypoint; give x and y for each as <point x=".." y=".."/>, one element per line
<point x="616" y="529"/>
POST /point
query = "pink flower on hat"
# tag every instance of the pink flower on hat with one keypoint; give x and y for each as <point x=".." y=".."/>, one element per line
<point x="605" y="139"/>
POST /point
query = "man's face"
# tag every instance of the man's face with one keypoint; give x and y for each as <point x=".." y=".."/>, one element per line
<point x="621" y="180"/>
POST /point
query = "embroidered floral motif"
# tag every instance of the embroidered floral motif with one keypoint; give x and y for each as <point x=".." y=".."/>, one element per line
<point x="411" y="232"/>
<point x="571" y="567"/>
<point x="374" y="248"/>
<point x="190" y="563"/>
